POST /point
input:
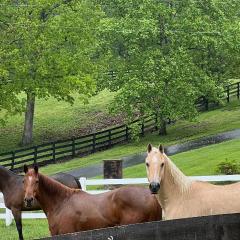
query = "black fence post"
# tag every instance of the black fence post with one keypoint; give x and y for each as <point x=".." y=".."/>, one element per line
<point x="109" y="138"/>
<point x="206" y="103"/>
<point x="127" y="133"/>
<point x="142" y="129"/>
<point x="73" y="147"/>
<point x="238" y="90"/>
<point x="94" y="143"/>
<point x="54" y="152"/>
<point x="156" y="123"/>
<point x="13" y="160"/>
<point x="228" y="94"/>
<point x="35" y="154"/>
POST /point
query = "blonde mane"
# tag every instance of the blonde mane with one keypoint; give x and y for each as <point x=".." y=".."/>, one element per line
<point x="176" y="176"/>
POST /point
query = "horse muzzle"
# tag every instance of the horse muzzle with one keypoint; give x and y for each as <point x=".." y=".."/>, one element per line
<point x="154" y="187"/>
<point x="28" y="202"/>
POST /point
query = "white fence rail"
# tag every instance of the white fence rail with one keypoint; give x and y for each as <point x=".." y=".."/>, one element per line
<point x="7" y="216"/>
<point x="134" y="181"/>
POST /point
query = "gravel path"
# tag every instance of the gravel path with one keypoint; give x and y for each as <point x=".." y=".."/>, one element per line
<point x="128" y="161"/>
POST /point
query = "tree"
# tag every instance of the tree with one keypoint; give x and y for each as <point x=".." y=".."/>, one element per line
<point x="166" y="54"/>
<point x="49" y="50"/>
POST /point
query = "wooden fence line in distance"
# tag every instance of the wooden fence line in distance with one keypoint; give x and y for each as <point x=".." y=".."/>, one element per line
<point x="53" y="152"/>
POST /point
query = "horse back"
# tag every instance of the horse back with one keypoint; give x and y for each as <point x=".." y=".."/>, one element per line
<point x="137" y="203"/>
<point x="67" y="180"/>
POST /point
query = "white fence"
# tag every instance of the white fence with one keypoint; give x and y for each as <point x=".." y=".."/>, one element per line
<point x="96" y="182"/>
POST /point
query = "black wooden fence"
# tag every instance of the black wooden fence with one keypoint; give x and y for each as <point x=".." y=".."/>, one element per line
<point x="53" y="152"/>
<point x="218" y="227"/>
<point x="80" y="146"/>
<point x="232" y="90"/>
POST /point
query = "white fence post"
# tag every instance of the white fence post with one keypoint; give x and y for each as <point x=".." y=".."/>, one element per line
<point x="82" y="181"/>
<point x="9" y="217"/>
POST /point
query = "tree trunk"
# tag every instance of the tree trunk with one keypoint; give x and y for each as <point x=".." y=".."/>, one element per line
<point x="28" y="124"/>
<point x="163" y="128"/>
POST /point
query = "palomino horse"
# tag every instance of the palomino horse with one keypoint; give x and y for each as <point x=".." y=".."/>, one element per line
<point x="181" y="197"/>
<point x="69" y="210"/>
<point x="11" y="185"/>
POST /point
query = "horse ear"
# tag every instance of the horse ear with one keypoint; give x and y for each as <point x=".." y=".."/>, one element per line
<point x="161" y="149"/>
<point x="36" y="169"/>
<point x="25" y="168"/>
<point x="149" y="148"/>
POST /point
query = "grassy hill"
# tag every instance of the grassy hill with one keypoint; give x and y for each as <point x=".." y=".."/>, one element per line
<point x="59" y="120"/>
<point x="196" y="162"/>
<point x="201" y="161"/>
<point x="208" y="123"/>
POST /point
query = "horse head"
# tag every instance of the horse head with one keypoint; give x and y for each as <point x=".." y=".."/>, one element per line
<point x="31" y="183"/>
<point x="155" y="163"/>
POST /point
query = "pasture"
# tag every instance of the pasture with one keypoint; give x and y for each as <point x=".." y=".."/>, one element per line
<point x="201" y="161"/>
<point x="59" y="120"/>
<point x="207" y="123"/>
<point x="196" y="162"/>
<point x="116" y="61"/>
<point x="31" y="229"/>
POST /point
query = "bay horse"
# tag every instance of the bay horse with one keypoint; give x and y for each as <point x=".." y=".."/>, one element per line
<point x="71" y="210"/>
<point x="181" y="197"/>
<point x="11" y="185"/>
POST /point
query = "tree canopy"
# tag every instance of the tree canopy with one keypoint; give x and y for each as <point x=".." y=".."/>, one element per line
<point x="166" y="54"/>
<point x="47" y="49"/>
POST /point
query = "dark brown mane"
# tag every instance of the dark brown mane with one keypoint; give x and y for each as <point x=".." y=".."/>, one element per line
<point x="52" y="187"/>
<point x="71" y="210"/>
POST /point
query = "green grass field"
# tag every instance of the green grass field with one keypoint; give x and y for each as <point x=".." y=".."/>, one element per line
<point x="59" y="120"/>
<point x="196" y="162"/>
<point x="31" y="229"/>
<point x="201" y="161"/>
<point x="208" y="123"/>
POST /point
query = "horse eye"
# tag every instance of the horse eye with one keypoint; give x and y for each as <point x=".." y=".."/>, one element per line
<point x="147" y="164"/>
<point x="162" y="164"/>
<point x="37" y="181"/>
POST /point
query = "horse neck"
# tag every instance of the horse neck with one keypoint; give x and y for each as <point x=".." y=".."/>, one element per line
<point x="51" y="194"/>
<point x="5" y="178"/>
<point x="174" y="183"/>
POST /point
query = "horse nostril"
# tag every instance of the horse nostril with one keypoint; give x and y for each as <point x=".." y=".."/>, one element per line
<point x="28" y="201"/>
<point x="154" y="187"/>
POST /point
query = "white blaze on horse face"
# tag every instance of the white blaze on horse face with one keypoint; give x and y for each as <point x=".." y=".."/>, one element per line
<point x="29" y="187"/>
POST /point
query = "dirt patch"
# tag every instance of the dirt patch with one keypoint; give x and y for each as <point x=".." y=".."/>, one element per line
<point x="102" y="122"/>
<point x="99" y="121"/>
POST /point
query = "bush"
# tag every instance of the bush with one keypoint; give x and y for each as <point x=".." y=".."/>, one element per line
<point x="228" y="167"/>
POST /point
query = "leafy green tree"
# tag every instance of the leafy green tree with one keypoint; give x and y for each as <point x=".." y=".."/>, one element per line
<point x="168" y="53"/>
<point x="48" y="49"/>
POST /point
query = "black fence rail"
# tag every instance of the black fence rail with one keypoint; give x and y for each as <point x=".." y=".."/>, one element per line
<point x="67" y="149"/>
<point x="216" y="227"/>
<point x="232" y="90"/>
<point x="57" y="151"/>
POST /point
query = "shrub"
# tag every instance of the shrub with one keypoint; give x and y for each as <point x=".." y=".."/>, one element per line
<point x="228" y="167"/>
